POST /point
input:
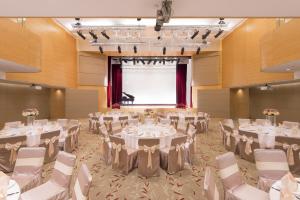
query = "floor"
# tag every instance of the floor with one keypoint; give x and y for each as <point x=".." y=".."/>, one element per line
<point x="185" y="185"/>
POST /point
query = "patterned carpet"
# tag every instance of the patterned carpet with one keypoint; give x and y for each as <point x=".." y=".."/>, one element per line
<point x="185" y="185"/>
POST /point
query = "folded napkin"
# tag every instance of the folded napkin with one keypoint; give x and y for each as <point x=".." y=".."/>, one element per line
<point x="4" y="181"/>
<point x="289" y="185"/>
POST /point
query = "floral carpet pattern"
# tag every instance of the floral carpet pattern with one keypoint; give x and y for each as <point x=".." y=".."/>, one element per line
<point x="185" y="185"/>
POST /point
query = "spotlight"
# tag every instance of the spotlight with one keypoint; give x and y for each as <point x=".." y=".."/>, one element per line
<point x="164" y="50"/>
<point x="164" y="61"/>
<point x="143" y="62"/>
<point x="158" y="37"/>
<point x="36" y="87"/>
<point x="138" y="19"/>
<point x="149" y="61"/>
<point x="182" y="50"/>
<point x="135" y="49"/>
<point x="77" y="24"/>
<point x="178" y="60"/>
<point x="137" y="60"/>
<point x="219" y="33"/>
<point x="159" y="61"/>
<point x="134" y="61"/>
<point x="120" y="60"/>
<point x="125" y="60"/>
<point x="154" y="62"/>
<point x="105" y="35"/>
<point x="94" y="36"/>
<point x="100" y="49"/>
<point x="195" y="34"/>
<point x="198" y="51"/>
<point x="206" y="34"/>
<point x="222" y="22"/>
<point x="81" y="35"/>
<point x="119" y="49"/>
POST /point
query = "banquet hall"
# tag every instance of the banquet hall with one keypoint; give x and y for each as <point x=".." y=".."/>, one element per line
<point x="160" y="99"/>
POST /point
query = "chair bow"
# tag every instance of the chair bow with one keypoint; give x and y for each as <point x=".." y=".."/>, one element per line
<point x="290" y="152"/>
<point x="50" y="142"/>
<point x="13" y="148"/>
<point x="102" y="140"/>
<point x="249" y="141"/>
<point x="178" y="148"/>
<point x="118" y="148"/>
<point x="149" y="150"/>
<point x="94" y="122"/>
<point x="73" y="138"/>
<point x="107" y="124"/>
<point x="228" y="134"/>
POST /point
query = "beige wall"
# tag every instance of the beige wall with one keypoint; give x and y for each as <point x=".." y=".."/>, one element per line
<point x="239" y="103"/>
<point x="57" y="103"/>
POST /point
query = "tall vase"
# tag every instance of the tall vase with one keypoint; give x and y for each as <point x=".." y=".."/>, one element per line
<point x="271" y="119"/>
<point x="30" y="120"/>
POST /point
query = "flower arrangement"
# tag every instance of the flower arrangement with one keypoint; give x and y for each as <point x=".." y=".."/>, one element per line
<point x="30" y="112"/>
<point x="270" y="112"/>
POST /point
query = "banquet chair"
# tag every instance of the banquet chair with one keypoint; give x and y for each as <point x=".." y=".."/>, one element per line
<point x="228" y="122"/>
<point x="28" y="168"/>
<point x="271" y="165"/>
<point x="124" y="159"/>
<point x="116" y="127"/>
<point x="70" y="141"/>
<point x="9" y="148"/>
<point x="209" y="185"/>
<point x="165" y="121"/>
<point x="172" y="159"/>
<point x="290" y="125"/>
<point x="149" y="120"/>
<point x="123" y="120"/>
<point x="49" y="140"/>
<point x="222" y="133"/>
<point x="97" y="128"/>
<point x="102" y="130"/>
<point x="231" y="139"/>
<point x="247" y="144"/>
<point x="182" y="127"/>
<point x="291" y="146"/>
<point x="261" y="122"/>
<point x="57" y="187"/>
<point x="244" y="121"/>
<point x="234" y="186"/>
<point x="189" y="120"/>
<point x="107" y="122"/>
<point x="105" y="147"/>
<point x="15" y="124"/>
<point x="82" y="184"/>
<point x="201" y="124"/>
<point x="94" y="122"/>
<point x="40" y="122"/>
<point x="90" y="121"/>
<point x="135" y="116"/>
<point x="174" y="121"/>
<point x="134" y="122"/>
<point x="190" y="145"/>
<point x="98" y="114"/>
<point x="148" y="157"/>
<point x="63" y="122"/>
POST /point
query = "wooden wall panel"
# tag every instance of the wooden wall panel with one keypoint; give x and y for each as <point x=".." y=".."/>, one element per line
<point x="239" y="103"/>
<point x="206" y="69"/>
<point x="57" y="103"/>
<point x="58" y="55"/>
<point x="282" y="45"/>
<point x="241" y="58"/>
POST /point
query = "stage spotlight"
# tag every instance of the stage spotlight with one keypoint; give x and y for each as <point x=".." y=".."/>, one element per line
<point x="206" y="34"/>
<point x="134" y="61"/>
<point x="164" y="61"/>
<point x="149" y="61"/>
<point x="195" y="34"/>
<point x="119" y="49"/>
<point x="120" y="60"/>
<point x="159" y="61"/>
<point x="81" y="35"/>
<point x="154" y="62"/>
<point x="135" y="49"/>
<point x="219" y="33"/>
<point x="182" y="50"/>
<point x="105" y="35"/>
<point x="178" y="60"/>
<point x="100" y="49"/>
<point x="94" y="36"/>
<point x="77" y="24"/>
<point x="158" y="37"/>
<point x="138" y="19"/>
<point x="143" y="62"/>
<point x="125" y="60"/>
<point x="222" y="22"/>
<point x="164" y="50"/>
<point x="198" y="51"/>
<point x="137" y="60"/>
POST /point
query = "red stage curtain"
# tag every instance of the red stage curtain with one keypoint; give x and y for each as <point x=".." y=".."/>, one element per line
<point x="109" y="82"/>
<point x="116" y="83"/>
<point x="181" y="85"/>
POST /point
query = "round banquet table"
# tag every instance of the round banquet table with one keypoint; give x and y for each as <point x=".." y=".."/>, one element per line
<point x="132" y="134"/>
<point x="266" y="134"/>
<point x="13" y="191"/>
<point x="274" y="193"/>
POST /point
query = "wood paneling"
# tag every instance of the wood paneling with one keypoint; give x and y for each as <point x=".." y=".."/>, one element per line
<point x="239" y="103"/>
<point x="282" y="45"/>
<point x="57" y="103"/>
<point x="206" y="69"/>
<point x="102" y="96"/>
<point x="19" y="44"/>
<point x="241" y="58"/>
<point x="58" y="54"/>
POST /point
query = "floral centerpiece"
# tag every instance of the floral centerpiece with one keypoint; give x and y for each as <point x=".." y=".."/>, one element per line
<point x="30" y="114"/>
<point x="271" y="114"/>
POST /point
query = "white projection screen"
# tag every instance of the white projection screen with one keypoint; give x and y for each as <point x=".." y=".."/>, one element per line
<point x="150" y="84"/>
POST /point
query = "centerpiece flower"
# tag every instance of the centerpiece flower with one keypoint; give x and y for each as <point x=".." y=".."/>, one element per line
<point x="30" y="114"/>
<point x="271" y="114"/>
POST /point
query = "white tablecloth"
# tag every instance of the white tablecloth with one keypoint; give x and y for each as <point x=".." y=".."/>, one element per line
<point x="266" y="134"/>
<point x="132" y="134"/>
<point x="274" y="194"/>
<point x="13" y="192"/>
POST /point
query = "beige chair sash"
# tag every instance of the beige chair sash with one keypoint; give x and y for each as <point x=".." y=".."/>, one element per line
<point x="149" y="150"/>
<point x="94" y="123"/>
<point x="102" y="141"/>
<point x="290" y="152"/>
<point x="13" y="148"/>
<point x="249" y="142"/>
<point x="228" y="134"/>
<point x="117" y="148"/>
<point x="73" y="138"/>
<point x="124" y="122"/>
<point x="50" y="142"/>
<point x="107" y="124"/>
<point x="178" y="149"/>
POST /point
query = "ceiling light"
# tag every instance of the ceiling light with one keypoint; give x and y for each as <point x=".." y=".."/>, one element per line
<point x="105" y="35"/>
<point x="77" y="24"/>
<point x="198" y="51"/>
<point x="94" y="36"/>
<point x="288" y="69"/>
<point x="138" y="61"/>
<point x="164" y="50"/>
<point x="178" y="60"/>
<point x="222" y="22"/>
<point x="138" y="19"/>
<point x="119" y="49"/>
<point x="143" y="62"/>
<point x="195" y="34"/>
<point x="135" y="49"/>
<point x="182" y="50"/>
<point x="159" y="61"/>
<point x="100" y="49"/>
<point x="81" y="35"/>
<point x="219" y="33"/>
<point x="36" y="87"/>
<point x="164" y="61"/>
<point x="154" y="62"/>
<point x="134" y="61"/>
<point x="120" y="60"/>
<point x="149" y="61"/>
<point x="125" y="60"/>
<point x="206" y="34"/>
<point x="265" y="87"/>
<point x="158" y="37"/>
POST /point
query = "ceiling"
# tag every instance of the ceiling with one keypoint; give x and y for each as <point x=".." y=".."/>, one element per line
<point x="147" y="8"/>
<point x="130" y="33"/>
